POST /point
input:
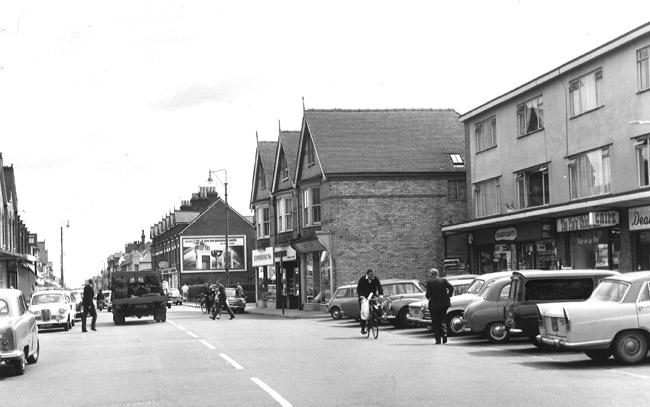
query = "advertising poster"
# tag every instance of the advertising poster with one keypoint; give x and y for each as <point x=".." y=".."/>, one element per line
<point x="207" y="253"/>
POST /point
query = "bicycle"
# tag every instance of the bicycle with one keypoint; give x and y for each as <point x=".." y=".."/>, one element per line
<point x="374" y="319"/>
<point x="201" y="302"/>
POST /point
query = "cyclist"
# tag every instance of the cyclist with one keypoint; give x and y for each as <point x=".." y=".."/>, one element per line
<point x="368" y="284"/>
<point x="208" y="295"/>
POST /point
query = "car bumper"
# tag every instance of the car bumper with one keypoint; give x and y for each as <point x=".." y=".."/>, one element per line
<point x="10" y="355"/>
<point x="563" y="343"/>
<point x="51" y="324"/>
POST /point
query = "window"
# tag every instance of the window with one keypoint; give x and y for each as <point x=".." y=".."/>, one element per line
<point x="642" y="155"/>
<point x="586" y="92"/>
<point x="642" y="69"/>
<point x="530" y="116"/>
<point x="263" y="223"/>
<point x="136" y="267"/>
<point x="560" y="289"/>
<point x="532" y="187"/>
<point x="285" y="168"/>
<point x="456" y="190"/>
<point x="310" y="151"/>
<point x="4" y="308"/>
<point x="311" y="206"/>
<point x="457" y="160"/>
<point x="589" y="174"/>
<point x="487" y="198"/>
<point x="261" y="177"/>
<point x="486" y="134"/>
<point x="285" y="214"/>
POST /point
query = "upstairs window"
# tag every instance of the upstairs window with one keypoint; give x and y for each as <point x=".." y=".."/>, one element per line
<point x="530" y="116"/>
<point x="263" y="222"/>
<point x="532" y="187"/>
<point x="285" y="169"/>
<point x="642" y="154"/>
<point x="485" y="134"/>
<point x="285" y="215"/>
<point x="487" y="196"/>
<point x="642" y="69"/>
<point x="589" y="174"/>
<point x="261" y="177"/>
<point x="310" y="152"/>
<point x="311" y="207"/>
<point x="456" y="191"/>
<point x="586" y="92"/>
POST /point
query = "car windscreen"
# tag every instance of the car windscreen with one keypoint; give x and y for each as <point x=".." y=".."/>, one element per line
<point x="340" y="292"/>
<point x="610" y="291"/>
<point x="476" y="286"/>
<point x="4" y="308"/>
<point x="230" y="292"/>
<point x="46" y="299"/>
<point x="559" y="289"/>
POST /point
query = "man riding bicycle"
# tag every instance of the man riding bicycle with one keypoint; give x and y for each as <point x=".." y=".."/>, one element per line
<point x="368" y="284"/>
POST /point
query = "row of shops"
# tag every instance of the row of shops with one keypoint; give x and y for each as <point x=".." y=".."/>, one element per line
<point x="617" y="239"/>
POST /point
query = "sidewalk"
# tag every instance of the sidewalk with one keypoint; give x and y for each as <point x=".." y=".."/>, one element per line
<point x="277" y="313"/>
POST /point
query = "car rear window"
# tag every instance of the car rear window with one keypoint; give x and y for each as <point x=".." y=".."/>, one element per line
<point x="4" y="308"/>
<point x="46" y="299"/>
<point x="610" y="291"/>
<point x="390" y="289"/>
<point x="559" y="289"/>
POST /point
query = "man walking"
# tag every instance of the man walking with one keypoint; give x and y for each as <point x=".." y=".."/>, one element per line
<point x="221" y="301"/>
<point x="368" y="284"/>
<point x="185" y="289"/>
<point x="89" y="307"/>
<point x="439" y="292"/>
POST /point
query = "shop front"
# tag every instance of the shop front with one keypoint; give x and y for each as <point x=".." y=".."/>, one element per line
<point x="590" y="240"/>
<point x="265" y="278"/>
<point x="639" y="222"/>
<point x="286" y="264"/>
<point x="315" y="263"/>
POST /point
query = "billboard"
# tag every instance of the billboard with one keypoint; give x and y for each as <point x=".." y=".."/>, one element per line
<point x="206" y="253"/>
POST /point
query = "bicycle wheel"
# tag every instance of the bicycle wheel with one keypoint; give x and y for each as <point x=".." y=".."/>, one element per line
<point x="368" y="327"/>
<point x="375" y="327"/>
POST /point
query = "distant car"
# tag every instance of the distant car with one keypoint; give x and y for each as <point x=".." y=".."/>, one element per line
<point x="76" y="298"/>
<point x="51" y="309"/>
<point x="485" y="316"/>
<point x="19" y="343"/>
<point x="614" y="320"/>
<point x="174" y="296"/>
<point x="106" y="302"/>
<point x="236" y="304"/>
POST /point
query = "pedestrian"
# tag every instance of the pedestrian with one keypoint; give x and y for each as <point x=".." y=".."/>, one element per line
<point x="100" y="300"/>
<point x="439" y="292"/>
<point x="239" y="291"/>
<point x="186" y="290"/>
<point x="89" y="307"/>
<point x="221" y="302"/>
<point x="368" y="284"/>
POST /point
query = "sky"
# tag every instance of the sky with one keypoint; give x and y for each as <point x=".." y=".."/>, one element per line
<point x="112" y="112"/>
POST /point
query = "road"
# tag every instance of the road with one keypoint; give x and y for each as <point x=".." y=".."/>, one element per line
<point x="257" y="360"/>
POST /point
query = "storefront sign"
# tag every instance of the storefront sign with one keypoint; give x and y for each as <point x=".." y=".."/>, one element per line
<point x="587" y="221"/>
<point x="639" y="218"/>
<point x="263" y="257"/>
<point x="285" y="253"/>
<point x="505" y="234"/>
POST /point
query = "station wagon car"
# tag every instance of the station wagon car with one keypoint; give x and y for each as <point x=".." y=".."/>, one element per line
<point x="419" y="311"/>
<point x="18" y="331"/>
<point x="51" y="309"/>
<point x="485" y="316"/>
<point x="614" y="320"/>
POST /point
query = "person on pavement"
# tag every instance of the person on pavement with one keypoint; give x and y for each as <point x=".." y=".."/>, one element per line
<point x="439" y="292"/>
<point x="239" y="291"/>
<point x="368" y="284"/>
<point x="186" y="290"/>
<point x="89" y="307"/>
<point x="100" y="300"/>
<point x="221" y="302"/>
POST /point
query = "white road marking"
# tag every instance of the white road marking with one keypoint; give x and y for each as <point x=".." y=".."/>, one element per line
<point x="231" y="361"/>
<point x="192" y="334"/>
<point x="172" y="322"/>
<point x="283" y="402"/>
<point x="207" y="344"/>
<point x="638" y="376"/>
<point x="181" y="328"/>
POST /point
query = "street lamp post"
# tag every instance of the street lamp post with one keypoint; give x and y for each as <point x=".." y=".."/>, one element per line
<point x="226" y="255"/>
<point x="67" y="225"/>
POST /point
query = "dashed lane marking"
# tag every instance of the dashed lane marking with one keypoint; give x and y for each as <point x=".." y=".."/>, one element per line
<point x="192" y="334"/>
<point x="173" y="323"/>
<point x="231" y="361"/>
<point x="638" y="376"/>
<point x="207" y="344"/>
<point x="276" y="396"/>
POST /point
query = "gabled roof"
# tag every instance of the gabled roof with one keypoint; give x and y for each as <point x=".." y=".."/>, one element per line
<point x="384" y="141"/>
<point x="205" y="212"/>
<point x="288" y="143"/>
<point x="265" y="155"/>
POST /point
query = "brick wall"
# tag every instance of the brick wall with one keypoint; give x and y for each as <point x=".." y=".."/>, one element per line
<point x="392" y="226"/>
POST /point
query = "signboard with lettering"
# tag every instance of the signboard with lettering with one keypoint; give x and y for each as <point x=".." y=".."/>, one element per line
<point x="263" y="257"/>
<point x="587" y="221"/>
<point x="286" y="253"/>
<point x="639" y="218"/>
<point x="508" y="234"/>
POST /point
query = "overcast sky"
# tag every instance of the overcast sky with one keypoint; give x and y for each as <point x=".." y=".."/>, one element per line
<point x="112" y="112"/>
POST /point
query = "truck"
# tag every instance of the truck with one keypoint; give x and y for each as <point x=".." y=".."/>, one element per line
<point x="138" y="294"/>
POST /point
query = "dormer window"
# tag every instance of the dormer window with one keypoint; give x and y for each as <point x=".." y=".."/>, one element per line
<point x="457" y="160"/>
<point x="310" y="152"/>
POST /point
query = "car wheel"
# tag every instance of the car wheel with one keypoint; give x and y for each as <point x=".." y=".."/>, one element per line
<point x="163" y="316"/>
<point x="19" y="366"/>
<point x="496" y="332"/>
<point x="401" y="320"/>
<point x="630" y="347"/>
<point x="66" y="326"/>
<point x="599" y="355"/>
<point x="455" y="324"/>
<point x="34" y="358"/>
<point x="335" y="312"/>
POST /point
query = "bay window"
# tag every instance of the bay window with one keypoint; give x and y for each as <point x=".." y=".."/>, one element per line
<point x="285" y="214"/>
<point x="589" y="174"/>
<point x="487" y="197"/>
<point x="263" y="222"/>
<point x="311" y="207"/>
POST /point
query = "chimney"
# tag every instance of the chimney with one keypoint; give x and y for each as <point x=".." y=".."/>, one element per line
<point x="142" y="237"/>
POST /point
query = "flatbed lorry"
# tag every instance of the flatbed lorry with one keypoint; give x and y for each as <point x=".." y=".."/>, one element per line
<point x="138" y="294"/>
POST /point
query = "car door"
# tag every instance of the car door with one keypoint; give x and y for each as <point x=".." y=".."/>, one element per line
<point x="24" y="336"/>
<point x="350" y="305"/>
<point x="643" y="306"/>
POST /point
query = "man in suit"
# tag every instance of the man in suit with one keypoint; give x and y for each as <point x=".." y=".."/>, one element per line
<point x="439" y="292"/>
<point x="89" y="307"/>
<point x="368" y="284"/>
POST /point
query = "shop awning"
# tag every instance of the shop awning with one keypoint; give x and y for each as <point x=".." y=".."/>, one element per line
<point x="307" y="246"/>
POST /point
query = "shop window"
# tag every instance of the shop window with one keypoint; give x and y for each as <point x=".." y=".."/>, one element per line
<point x="485" y="134"/>
<point x="533" y="188"/>
<point x="456" y="191"/>
<point x="487" y="197"/>
<point x="642" y="154"/>
<point x="643" y="250"/>
<point x="595" y="249"/>
<point x="643" y="69"/>
<point x="589" y="174"/>
<point x="263" y="222"/>
<point x="530" y="116"/>
<point x="586" y="92"/>
<point x="311" y="207"/>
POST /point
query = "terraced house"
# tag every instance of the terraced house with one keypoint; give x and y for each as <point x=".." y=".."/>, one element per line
<point x="370" y="189"/>
<point x="559" y="166"/>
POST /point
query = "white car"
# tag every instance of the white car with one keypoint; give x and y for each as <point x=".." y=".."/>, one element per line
<point x="52" y="309"/>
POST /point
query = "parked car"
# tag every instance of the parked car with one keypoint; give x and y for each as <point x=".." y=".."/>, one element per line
<point x="236" y="304"/>
<point x="19" y="343"/>
<point x="485" y="316"/>
<point x="51" y="309"/>
<point x="419" y="311"/>
<point x="174" y="296"/>
<point x="532" y="287"/>
<point x="77" y="298"/>
<point x="614" y="320"/>
<point x="398" y="293"/>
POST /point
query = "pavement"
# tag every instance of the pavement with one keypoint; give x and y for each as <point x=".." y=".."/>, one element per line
<point x="278" y="313"/>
